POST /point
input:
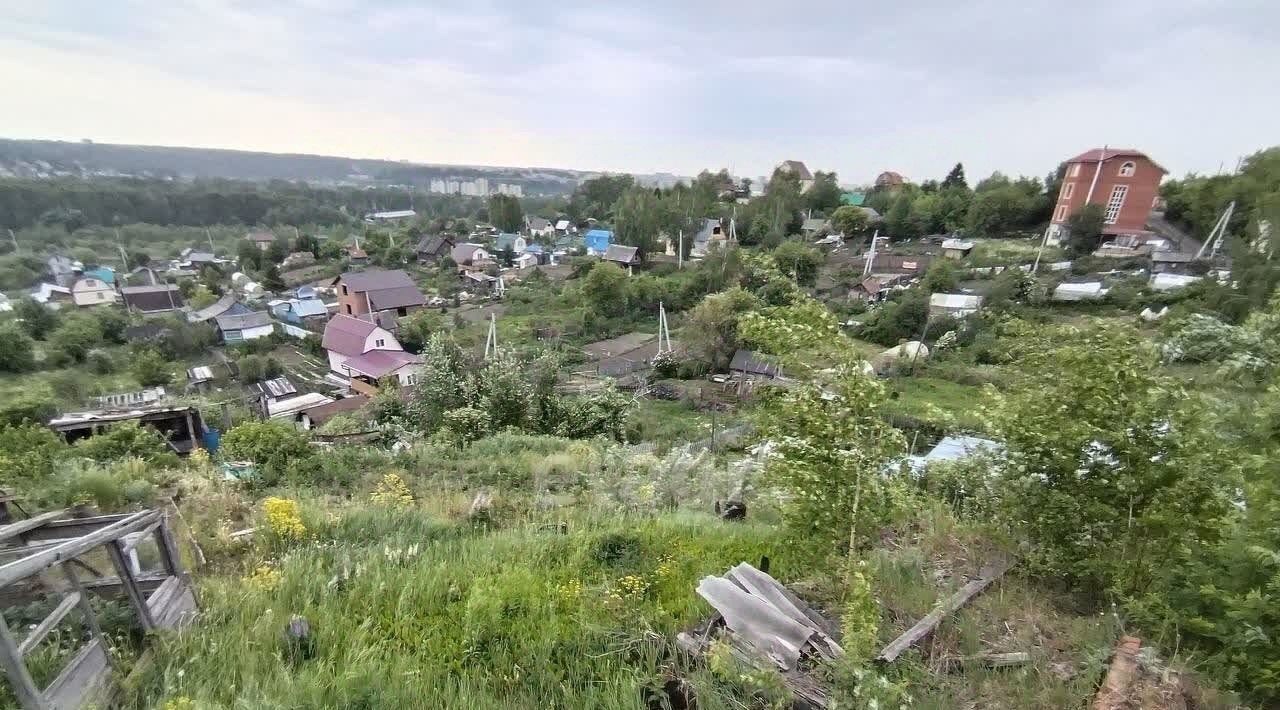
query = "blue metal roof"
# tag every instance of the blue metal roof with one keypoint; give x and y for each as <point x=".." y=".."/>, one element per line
<point x="598" y="239"/>
<point x="104" y="274"/>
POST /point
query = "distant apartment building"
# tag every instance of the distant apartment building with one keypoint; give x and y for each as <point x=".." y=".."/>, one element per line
<point x="513" y="190"/>
<point x="1123" y="181"/>
<point x="479" y="187"/>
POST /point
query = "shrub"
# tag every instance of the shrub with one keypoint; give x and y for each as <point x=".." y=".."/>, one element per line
<point x="17" y="350"/>
<point x="126" y="439"/>
<point x="270" y="444"/>
<point x="151" y="369"/>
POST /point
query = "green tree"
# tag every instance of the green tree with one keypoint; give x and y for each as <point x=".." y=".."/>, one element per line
<point x="799" y="261"/>
<point x="711" y="328"/>
<point x="639" y="217"/>
<point x="272" y="281"/>
<point x="824" y="195"/>
<point x="1110" y="466"/>
<point x="150" y="369"/>
<point x="941" y="277"/>
<point x="605" y="289"/>
<point x="1084" y="230"/>
<point x="833" y="445"/>
<point x="505" y="212"/>
<point x="36" y="318"/>
<point x="898" y="320"/>
<point x="72" y="341"/>
<point x="17" y="351"/>
<point x="269" y="444"/>
<point x="955" y="178"/>
<point x="125" y="440"/>
<point x="1000" y="210"/>
<point x="850" y="221"/>
<point x="898" y="222"/>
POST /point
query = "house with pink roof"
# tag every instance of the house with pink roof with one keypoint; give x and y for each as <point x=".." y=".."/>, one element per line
<point x="367" y="354"/>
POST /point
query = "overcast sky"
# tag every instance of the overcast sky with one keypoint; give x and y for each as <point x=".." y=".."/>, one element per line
<point x="666" y="85"/>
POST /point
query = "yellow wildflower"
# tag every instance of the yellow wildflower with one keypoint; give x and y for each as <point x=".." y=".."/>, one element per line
<point x="283" y="518"/>
<point x="264" y="578"/>
<point x="392" y="492"/>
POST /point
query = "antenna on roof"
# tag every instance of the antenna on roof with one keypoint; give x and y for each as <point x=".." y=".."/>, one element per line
<point x="491" y="341"/>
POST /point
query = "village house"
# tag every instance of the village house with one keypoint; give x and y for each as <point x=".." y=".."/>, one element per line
<point x="195" y="259"/>
<point x="1123" y="181"/>
<point x="564" y="227"/>
<point x="367" y="353"/>
<point x="812" y="226"/>
<point x="1171" y="262"/>
<point x="244" y="327"/>
<point x="800" y="171"/>
<point x="468" y="254"/>
<point x="153" y="300"/>
<point x="227" y="305"/>
<point x="357" y="256"/>
<point x="956" y="305"/>
<point x="956" y="248"/>
<point x="63" y="269"/>
<point x="710" y="234"/>
<point x="597" y="241"/>
<point x="124" y="400"/>
<point x="623" y="256"/>
<point x="91" y="291"/>
<point x="750" y="365"/>
<point x="539" y="227"/>
<point x="432" y="249"/>
<point x="299" y="311"/>
<point x="889" y="180"/>
<point x="514" y="242"/>
<point x="262" y="240"/>
<point x="377" y="291"/>
<point x="524" y="261"/>
<point x="316" y="415"/>
<point x="51" y="295"/>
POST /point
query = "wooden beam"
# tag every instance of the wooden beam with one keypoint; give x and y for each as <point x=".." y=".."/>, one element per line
<point x="81" y="680"/>
<point x="13" y="530"/>
<point x="926" y="626"/>
<point x="41" y="561"/>
<point x="42" y="630"/>
<point x="86" y="607"/>
<point x="140" y="537"/>
<point x="136" y="598"/>
<point x="69" y="528"/>
<point x="24" y="688"/>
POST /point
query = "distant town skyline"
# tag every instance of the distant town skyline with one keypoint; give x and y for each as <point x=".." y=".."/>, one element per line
<point x="658" y="88"/>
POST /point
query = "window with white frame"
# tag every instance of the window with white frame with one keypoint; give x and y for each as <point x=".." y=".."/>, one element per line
<point x="1068" y="190"/>
<point x="411" y="378"/>
<point x="1075" y="170"/>
<point x="1115" y="203"/>
<point x="379" y="343"/>
<point x="1060" y="213"/>
<point x="1127" y="169"/>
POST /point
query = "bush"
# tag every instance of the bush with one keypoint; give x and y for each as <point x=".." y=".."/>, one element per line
<point x="28" y="453"/>
<point x="271" y="445"/>
<point x="151" y="369"/>
<point x="126" y="439"/>
<point x="100" y="362"/>
<point x="17" y="350"/>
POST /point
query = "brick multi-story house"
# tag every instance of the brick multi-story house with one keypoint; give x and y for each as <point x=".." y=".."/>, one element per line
<point x="377" y="291"/>
<point x="1123" y="181"/>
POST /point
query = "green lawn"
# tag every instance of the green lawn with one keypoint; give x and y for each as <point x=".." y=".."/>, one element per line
<point x="944" y="403"/>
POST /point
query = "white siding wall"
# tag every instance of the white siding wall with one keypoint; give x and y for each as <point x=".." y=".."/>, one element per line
<point x="389" y="341"/>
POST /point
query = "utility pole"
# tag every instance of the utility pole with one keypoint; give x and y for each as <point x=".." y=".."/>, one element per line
<point x="491" y="341"/>
<point x="14" y="239"/>
<point x="679" y="250"/>
<point x="663" y="330"/>
<point x="124" y="259"/>
<point x="1218" y="232"/>
<point x="209" y="235"/>
<point x="871" y="255"/>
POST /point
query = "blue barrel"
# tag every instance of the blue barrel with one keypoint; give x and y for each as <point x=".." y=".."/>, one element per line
<point x="212" y="439"/>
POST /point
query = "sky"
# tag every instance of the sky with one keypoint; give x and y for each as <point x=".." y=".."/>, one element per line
<point x="660" y="86"/>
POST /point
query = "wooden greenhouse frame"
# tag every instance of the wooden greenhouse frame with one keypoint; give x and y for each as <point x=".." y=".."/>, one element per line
<point x="47" y="548"/>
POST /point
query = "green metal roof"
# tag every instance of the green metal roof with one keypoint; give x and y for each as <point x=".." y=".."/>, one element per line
<point x="853" y="198"/>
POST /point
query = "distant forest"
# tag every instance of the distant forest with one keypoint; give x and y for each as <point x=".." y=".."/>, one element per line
<point x="30" y="158"/>
<point x="74" y="203"/>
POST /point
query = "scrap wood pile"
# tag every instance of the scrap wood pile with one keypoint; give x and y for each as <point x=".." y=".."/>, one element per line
<point x="767" y="626"/>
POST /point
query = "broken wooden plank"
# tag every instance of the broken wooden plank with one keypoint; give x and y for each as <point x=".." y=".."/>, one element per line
<point x="926" y="625"/>
<point x="37" y="634"/>
<point x="81" y="681"/>
<point x="41" y="561"/>
<point x="1114" y="693"/>
<point x="13" y="530"/>
<point x="990" y="660"/>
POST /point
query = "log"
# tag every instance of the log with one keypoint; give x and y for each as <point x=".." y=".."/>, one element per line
<point x="1114" y="693"/>
<point x="926" y="625"/>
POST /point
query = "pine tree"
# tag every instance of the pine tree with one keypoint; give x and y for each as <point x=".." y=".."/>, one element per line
<point x="955" y="178"/>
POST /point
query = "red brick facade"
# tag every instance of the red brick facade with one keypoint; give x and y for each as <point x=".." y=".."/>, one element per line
<point x="1128" y="183"/>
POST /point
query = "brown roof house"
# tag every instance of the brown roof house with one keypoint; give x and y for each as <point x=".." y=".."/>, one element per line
<point x="367" y="353"/>
<point x="153" y="300"/>
<point x="262" y="240"/>
<point x="377" y="291"/>
<point x="800" y="171"/>
<point x="433" y="249"/>
<point x="622" y="255"/>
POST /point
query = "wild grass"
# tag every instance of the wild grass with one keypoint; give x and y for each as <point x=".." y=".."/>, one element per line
<point x="407" y="610"/>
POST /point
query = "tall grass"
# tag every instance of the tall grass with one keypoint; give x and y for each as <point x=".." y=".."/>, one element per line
<point x="408" y="611"/>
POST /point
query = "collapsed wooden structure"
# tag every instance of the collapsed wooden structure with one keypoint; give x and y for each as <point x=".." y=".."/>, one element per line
<point x="43" y="555"/>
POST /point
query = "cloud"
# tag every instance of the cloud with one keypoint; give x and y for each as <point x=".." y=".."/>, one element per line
<point x="671" y="86"/>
